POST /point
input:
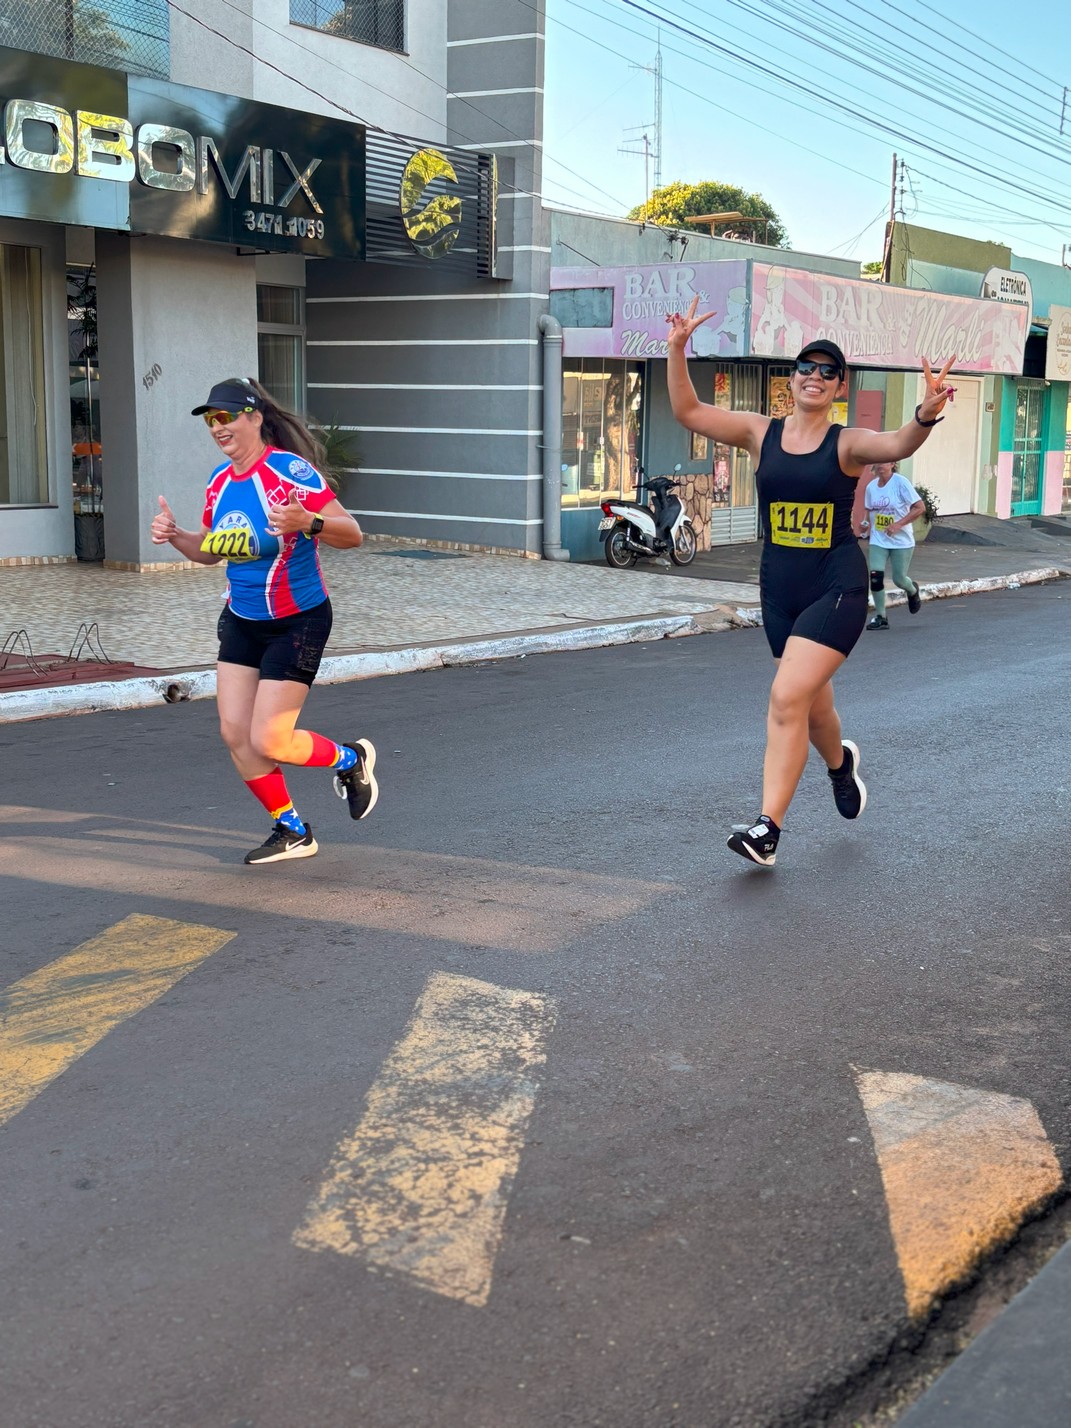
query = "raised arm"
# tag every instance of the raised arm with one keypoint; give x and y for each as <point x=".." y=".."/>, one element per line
<point x="744" y="429"/>
<point x="859" y="447"/>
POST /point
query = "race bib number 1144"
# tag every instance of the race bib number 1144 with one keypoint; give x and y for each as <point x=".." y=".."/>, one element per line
<point x="801" y="523"/>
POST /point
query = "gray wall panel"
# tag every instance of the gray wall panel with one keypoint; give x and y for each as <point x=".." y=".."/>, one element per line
<point x="469" y="18"/>
<point x="431" y="407"/>
<point x="415" y="363"/>
<point x="509" y="65"/>
<point x="507" y="499"/>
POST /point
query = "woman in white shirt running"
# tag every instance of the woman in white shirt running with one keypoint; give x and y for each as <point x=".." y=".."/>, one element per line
<point x="892" y="507"/>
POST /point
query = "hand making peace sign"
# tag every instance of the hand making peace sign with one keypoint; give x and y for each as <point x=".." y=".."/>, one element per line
<point x="682" y="325"/>
<point x="937" y="393"/>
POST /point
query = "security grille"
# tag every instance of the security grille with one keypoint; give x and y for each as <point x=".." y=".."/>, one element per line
<point x="371" y="22"/>
<point x="129" y="35"/>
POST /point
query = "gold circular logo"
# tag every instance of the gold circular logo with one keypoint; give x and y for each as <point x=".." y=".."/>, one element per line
<point x="432" y="224"/>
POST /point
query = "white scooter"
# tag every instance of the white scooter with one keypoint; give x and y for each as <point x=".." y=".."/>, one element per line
<point x="631" y="530"/>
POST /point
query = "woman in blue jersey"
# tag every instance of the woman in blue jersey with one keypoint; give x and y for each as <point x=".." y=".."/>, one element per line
<point x="266" y="508"/>
<point x="813" y="576"/>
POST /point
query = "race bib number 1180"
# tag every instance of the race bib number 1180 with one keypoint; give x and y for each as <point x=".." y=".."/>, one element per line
<point x="801" y="523"/>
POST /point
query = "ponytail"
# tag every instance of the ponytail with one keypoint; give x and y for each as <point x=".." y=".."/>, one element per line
<point x="286" y="430"/>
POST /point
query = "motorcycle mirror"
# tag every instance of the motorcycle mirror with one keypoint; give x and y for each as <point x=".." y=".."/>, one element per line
<point x="677" y="467"/>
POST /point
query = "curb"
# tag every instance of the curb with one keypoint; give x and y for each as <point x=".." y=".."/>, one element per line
<point x="750" y="616"/>
<point x="179" y="687"/>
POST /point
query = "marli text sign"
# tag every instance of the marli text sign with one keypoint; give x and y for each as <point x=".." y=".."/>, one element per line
<point x="880" y="326"/>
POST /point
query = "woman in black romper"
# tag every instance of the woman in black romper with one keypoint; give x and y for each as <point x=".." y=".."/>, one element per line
<point x="813" y="576"/>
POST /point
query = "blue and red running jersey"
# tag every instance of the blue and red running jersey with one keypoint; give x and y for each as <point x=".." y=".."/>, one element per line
<point x="282" y="576"/>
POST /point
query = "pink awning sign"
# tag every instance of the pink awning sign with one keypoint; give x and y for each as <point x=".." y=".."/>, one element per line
<point x="643" y="296"/>
<point x="880" y="326"/>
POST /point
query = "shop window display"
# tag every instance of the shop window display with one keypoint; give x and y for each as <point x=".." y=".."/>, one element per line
<point x="601" y="401"/>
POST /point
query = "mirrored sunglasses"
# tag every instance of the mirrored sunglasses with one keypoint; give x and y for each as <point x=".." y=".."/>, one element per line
<point x="826" y="370"/>
<point x="222" y="418"/>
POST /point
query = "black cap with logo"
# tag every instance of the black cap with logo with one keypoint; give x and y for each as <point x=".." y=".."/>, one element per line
<point x="229" y="397"/>
<point x="830" y="349"/>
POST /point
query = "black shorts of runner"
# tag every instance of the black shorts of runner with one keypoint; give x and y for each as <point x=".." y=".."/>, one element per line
<point x="289" y="648"/>
<point x="834" y="618"/>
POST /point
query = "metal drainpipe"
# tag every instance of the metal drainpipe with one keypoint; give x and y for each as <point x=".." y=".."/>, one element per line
<point x="551" y="329"/>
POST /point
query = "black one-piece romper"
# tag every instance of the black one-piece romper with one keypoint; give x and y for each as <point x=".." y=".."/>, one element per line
<point x="813" y="576"/>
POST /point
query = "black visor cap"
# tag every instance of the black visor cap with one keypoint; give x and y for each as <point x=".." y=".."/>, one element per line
<point x="830" y="349"/>
<point x="228" y="397"/>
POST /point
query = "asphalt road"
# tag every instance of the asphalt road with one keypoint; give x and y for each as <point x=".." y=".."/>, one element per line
<point x="684" y="1223"/>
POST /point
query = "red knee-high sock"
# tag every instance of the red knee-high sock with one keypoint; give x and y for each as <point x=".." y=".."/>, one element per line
<point x="270" y="791"/>
<point x="325" y="752"/>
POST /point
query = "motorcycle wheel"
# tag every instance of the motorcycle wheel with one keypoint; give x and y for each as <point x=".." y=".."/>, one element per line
<point x="618" y="555"/>
<point x="685" y="546"/>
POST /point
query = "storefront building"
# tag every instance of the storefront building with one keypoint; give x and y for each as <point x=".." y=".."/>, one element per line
<point x="768" y="303"/>
<point x="157" y="235"/>
<point x="1023" y="453"/>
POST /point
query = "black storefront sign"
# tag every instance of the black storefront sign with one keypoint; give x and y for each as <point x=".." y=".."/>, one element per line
<point x="95" y="147"/>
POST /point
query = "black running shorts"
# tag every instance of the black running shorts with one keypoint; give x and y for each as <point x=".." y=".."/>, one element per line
<point x="835" y="619"/>
<point x="289" y="648"/>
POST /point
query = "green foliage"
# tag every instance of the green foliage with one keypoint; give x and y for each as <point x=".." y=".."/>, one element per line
<point x="340" y="450"/>
<point x="872" y="270"/>
<point x="670" y="205"/>
<point x="929" y="500"/>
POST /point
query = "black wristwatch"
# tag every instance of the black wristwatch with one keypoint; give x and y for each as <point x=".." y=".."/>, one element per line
<point x="317" y="526"/>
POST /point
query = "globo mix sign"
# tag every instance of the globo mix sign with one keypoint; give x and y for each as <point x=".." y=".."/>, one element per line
<point x="95" y="147"/>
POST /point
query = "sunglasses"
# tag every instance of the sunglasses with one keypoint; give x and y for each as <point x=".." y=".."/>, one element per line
<point x="827" y="370"/>
<point x="222" y="418"/>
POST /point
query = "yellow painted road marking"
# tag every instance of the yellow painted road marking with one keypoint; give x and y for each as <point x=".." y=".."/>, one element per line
<point x="962" y="1169"/>
<point x="421" y="1186"/>
<point x="53" y="1016"/>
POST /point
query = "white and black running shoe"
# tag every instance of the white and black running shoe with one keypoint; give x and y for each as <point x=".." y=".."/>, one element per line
<point x="283" y="842"/>
<point x="849" y="790"/>
<point x="358" y="784"/>
<point x="759" y="842"/>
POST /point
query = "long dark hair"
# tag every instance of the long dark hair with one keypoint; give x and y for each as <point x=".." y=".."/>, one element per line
<point x="286" y="430"/>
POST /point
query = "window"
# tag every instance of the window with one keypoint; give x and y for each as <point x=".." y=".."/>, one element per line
<point x="601" y="402"/>
<point x="281" y="344"/>
<point x="369" y="22"/>
<point x="23" y="455"/>
<point x="131" y="35"/>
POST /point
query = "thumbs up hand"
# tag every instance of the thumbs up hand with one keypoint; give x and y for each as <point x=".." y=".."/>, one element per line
<point x="164" y="525"/>
<point x="291" y="518"/>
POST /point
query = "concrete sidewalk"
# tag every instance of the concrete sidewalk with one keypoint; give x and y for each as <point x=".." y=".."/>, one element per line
<point x="400" y="607"/>
<point x="1017" y="1373"/>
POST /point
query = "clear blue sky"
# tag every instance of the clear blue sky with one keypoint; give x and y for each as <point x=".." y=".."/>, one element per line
<point x="980" y="84"/>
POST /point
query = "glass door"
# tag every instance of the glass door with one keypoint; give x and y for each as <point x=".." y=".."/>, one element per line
<point x="1027" y="450"/>
<point x="83" y="373"/>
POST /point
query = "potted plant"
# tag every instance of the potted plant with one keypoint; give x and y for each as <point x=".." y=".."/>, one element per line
<point x="929" y="514"/>
<point x="340" y="450"/>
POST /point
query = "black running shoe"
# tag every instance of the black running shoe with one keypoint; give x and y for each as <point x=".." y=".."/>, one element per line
<point x="849" y="790"/>
<point x="878" y="622"/>
<point x="283" y="842"/>
<point x="759" y="842"/>
<point x="914" y="602"/>
<point x="358" y="784"/>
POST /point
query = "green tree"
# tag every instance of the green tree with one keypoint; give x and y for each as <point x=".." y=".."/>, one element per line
<point x="674" y="202"/>
<point x="872" y="270"/>
<point x="92" y="37"/>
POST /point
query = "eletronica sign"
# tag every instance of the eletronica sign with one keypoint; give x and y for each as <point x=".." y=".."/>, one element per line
<point x="94" y="147"/>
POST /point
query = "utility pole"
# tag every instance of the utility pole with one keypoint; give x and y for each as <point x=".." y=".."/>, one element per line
<point x="652" y="150"/>
<point x="643" y="139"/>
<point x="886" y="258"/>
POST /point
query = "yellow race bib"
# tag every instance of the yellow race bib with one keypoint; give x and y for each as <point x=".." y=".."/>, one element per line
<point x="806" y="524"/>
<point x="882" y="520"/>
<point x="232" y="545"/>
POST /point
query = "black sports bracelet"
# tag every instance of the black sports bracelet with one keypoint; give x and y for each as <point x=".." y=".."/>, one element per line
<point x="925" y="423"/>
